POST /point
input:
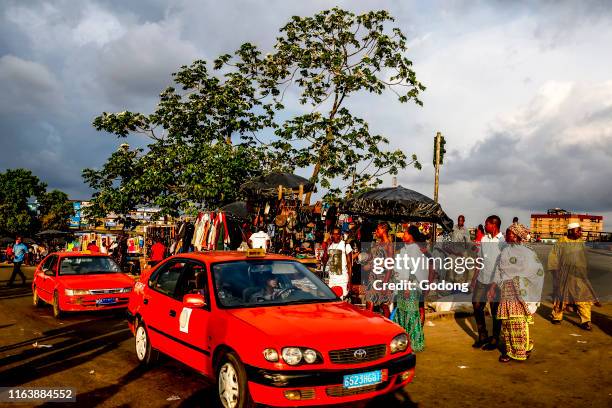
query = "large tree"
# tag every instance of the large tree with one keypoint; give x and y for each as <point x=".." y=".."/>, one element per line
<point x="17" y="188"/>
<point x="331" y="57"/>
<point x="217" y="128"/>
<point x="55" y="210"/>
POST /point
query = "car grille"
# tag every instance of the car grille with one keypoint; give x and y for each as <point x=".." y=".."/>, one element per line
<point x="340" y="391"/>
<point x="105" y="291"/>
<point x="347" y="356"/>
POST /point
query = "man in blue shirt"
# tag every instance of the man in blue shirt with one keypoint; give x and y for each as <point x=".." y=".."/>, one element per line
<point x="20" y="250"/>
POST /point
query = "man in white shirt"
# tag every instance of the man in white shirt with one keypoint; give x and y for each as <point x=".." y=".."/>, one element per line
<point x="490" y="249"/>
<point x="260" y="239"/>
<point x="338" y="263"/>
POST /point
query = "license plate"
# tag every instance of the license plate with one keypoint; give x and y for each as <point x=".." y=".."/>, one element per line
<point x="106" y="301"/>
<point x="364" y="379"/>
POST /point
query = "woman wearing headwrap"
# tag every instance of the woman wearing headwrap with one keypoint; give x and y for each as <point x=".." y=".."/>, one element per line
<point x="520" y="276"/>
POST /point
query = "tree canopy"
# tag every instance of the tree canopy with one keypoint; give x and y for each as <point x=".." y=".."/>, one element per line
<point x="224" y="123"/>
<point x="17" y="188"/>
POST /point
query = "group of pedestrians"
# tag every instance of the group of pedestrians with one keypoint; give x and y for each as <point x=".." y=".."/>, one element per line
<point x="511" y="281"/>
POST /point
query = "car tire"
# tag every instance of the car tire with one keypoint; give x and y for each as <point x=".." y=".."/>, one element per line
<point x="145" y="354"/>
<point x="57" y="311"/>
<point x="36" y="300"/>
<point x="232" y="386"/>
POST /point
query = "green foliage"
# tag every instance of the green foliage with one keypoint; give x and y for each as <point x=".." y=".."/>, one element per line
<point x="206" y="129"/>
<point x="17" y="187"/>
<point x="331" y="56"/>
<point x="55" y="210"/>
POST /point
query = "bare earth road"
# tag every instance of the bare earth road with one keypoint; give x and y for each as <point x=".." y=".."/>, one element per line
<point x="94" y="354"/>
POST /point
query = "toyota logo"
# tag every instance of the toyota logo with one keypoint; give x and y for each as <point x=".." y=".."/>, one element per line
<point x="360" y="354"/>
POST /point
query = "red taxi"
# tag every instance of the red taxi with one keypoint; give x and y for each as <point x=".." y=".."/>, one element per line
<point x="267" y="330"/>
<point x="80" y="281"/>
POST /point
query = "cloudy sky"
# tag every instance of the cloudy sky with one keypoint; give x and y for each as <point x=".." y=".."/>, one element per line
<point x="522" y="91"/>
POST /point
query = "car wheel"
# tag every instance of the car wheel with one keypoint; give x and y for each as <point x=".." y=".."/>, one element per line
<point x="37" y="301"/>
<point x="144" y="352"/>
<point x="57" y="311"/>
<point x="232" y="383"/>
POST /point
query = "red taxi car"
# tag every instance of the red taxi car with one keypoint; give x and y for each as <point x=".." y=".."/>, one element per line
<point x="267" y="330"/>
<point x="80" y="281"/>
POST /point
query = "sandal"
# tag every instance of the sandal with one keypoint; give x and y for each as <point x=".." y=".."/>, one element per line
<point x="504" y="359"/>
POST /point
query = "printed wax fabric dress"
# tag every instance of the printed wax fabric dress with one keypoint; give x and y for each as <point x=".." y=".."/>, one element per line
<point x="521" y="277"/>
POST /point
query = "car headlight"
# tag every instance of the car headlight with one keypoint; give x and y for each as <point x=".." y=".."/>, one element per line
<point x="310" y="356"/>
<point x="271" y="355"/>
<point x="292" y="355"/>
<point x="76" y="292"/>
<point x="399" y="343"/>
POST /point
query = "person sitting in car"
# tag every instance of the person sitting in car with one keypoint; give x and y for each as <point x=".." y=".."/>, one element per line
<point x="269" y="292"/>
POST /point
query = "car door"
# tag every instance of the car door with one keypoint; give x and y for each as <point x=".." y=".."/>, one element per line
<point x="46" y="278"/>
<point x="190" y="327"/>
<point x="160" y="308"/>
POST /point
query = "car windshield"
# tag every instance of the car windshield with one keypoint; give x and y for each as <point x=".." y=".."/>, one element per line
<point x="267" y="282"/>
<point x="88" y="265"/>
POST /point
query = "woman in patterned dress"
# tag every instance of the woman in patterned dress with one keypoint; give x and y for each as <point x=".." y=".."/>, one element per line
<point x="520" y="276"/>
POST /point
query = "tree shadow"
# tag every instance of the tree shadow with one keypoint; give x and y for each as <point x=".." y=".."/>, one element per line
<point x="96" y="397"/>
<point x="15" y="291"/>
<point x="80" y="343"/>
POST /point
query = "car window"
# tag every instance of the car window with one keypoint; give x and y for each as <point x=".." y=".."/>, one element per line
<point x="193" y="281"/>
<point x="166" y="278"/>
<point x="88" y="265"/>
<point x="49" y="262"/>
<point x="263" y="282"/>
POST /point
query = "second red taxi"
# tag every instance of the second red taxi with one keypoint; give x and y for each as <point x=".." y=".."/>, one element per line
<point x="80" y="281"/>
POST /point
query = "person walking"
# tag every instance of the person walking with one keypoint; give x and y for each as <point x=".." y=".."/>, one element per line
<point x="571" y="286"/>
<point x="20" y="251"/>
<point x="93" y="247"/>
<point x="490" y="249"/>
<point x="520" y="276"/>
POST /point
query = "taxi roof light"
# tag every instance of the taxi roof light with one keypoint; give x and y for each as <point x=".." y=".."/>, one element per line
<point x="255" y="253"/>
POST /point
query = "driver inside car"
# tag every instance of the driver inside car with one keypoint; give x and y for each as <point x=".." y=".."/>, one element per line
<point x="269" y="292"/>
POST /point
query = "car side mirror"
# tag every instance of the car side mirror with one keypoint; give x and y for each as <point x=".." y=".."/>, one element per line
<point x="194" y="301"/>
<point x="337" y="291"/>
<point x="48" y="272"/>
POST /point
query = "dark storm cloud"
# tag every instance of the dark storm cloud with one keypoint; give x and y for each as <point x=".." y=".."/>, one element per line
<point x="64" y="62"/>
<point x="556" y="153"/>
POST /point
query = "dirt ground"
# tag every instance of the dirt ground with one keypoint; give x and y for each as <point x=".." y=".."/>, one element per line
<point x="94" y="354"/>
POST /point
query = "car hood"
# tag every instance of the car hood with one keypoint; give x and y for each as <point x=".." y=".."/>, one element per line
<point x="101" y="281"/>
<point x="323" y="325"/>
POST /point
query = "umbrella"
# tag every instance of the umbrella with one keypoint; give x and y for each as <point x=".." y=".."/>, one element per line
<point x="237" y="209"/>
<point x="6" y="240"/>
<point x="397" y="203"/>
<point x="28" y="241"/>
<point x="52" y="232"/>
<point x="268" y="185"/>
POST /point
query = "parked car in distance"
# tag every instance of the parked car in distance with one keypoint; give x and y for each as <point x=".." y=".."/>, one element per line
<point x="80" y="281"/>
<point x="267" y="330"/>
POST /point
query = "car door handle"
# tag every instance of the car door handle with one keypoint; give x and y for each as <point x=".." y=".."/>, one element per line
<point x="172" y="313"/>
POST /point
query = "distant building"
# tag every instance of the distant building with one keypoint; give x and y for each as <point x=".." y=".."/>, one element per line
<point x="553" y="224"/>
